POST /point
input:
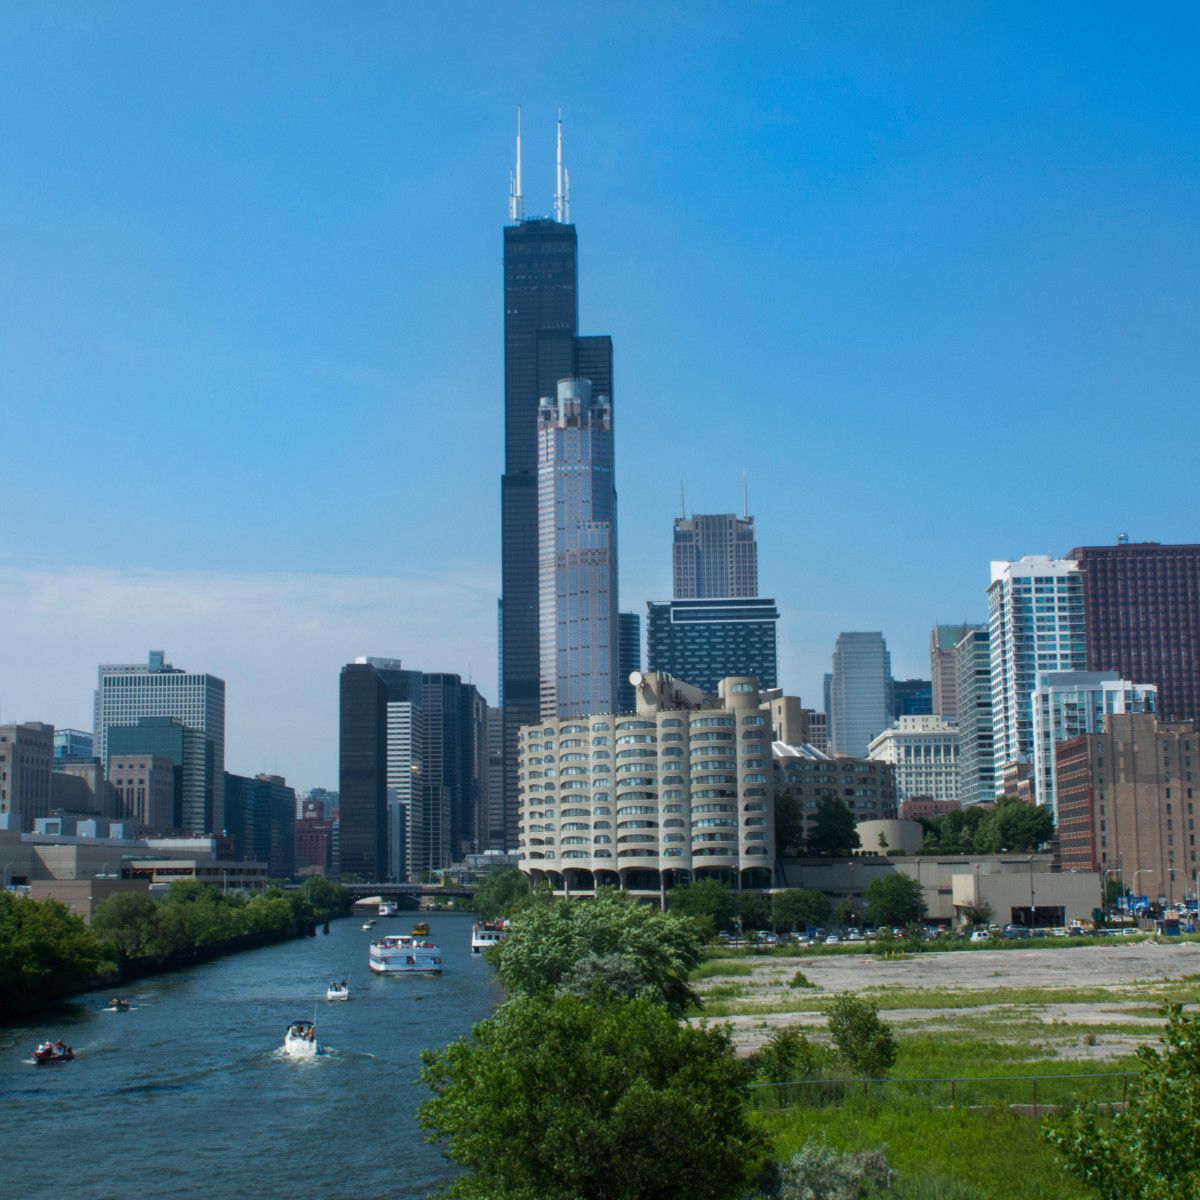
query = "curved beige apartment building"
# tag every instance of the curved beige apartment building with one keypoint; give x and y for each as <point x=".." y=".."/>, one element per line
<point x="681" y="789"/>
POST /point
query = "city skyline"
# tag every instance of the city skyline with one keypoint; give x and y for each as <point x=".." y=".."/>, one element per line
<point x="276" y="603"/>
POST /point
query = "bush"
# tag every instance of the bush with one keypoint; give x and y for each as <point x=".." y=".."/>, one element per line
<point x="818" y="1172"/>
<point x="787" y="1055"/>
<point x="861" y="1040"/>
<point x="800" y="980"/>
<point x="561" y="1099"/>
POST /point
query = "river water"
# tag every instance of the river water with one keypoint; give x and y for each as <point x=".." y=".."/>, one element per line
<point x="186" y="1095"/>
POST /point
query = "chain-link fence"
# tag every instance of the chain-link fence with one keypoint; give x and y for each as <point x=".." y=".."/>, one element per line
<point x="1033" y="1092"/>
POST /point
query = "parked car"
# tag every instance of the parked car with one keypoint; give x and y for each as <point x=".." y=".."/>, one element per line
<point x="833" y="940"/>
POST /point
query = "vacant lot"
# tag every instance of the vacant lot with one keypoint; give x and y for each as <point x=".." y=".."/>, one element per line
<point x="1089" y="1003"/>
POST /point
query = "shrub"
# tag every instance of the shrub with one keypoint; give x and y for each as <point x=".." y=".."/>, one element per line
<point x="800" y="980"/>
<point x="818" y="1172"/>
<point x="862" y="1041"/>
<point x="786" y="1055"/>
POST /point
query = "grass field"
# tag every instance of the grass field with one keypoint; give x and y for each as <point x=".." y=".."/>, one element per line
<point x="940" y="1153"/>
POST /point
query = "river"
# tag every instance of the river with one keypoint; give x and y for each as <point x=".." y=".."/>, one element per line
<point x="185" y="1095"/>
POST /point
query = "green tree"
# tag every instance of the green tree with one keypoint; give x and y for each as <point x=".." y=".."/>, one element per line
<point x="799" y="908"/>
<point x="326" y="899"/>
<point x="789" y="824"/>
<point x="549" y="937"/>
<point x="46" y="953"/>
<point x="706" y="901"/>
<point x="977" y="914"/>
<point x="833" y="832"/>
<point x="895" y="899"/>
<point x="500" y="891"/>
<point x="1150" y="1151"/>
<point x="846" y="912"/>
<point x="786" y="1055"/>
<point x="753" y="910"/>
<point x="129" y="922"/>
<point x="561" y="1099"/>
<point x="1014" y="826"/>
<point x="860" y="1039"/>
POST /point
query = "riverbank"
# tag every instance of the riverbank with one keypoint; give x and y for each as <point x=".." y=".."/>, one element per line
<point x="189" y="1081"/>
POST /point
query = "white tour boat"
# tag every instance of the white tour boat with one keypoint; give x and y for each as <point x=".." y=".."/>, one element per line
<point x="400" y="954"/>
<point x="337" y="991"/>
<point x="485" y="934"/>
<point x="389" y="908"/>
<point x="300" y="1040"/>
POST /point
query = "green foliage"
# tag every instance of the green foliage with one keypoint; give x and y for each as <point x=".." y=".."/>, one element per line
<point x="862" y="1041"/>
<point x="549" y="939"/>
<point x="753" y="910"/>
<point x="833" y="831"/>
<point x="326" y="899"/>
<point x="1013" y="826"/>
<point x="46" y="953"/>
<point x="499" y="892"/>
<point x="785" y="1056"/>
<point x="941" y="1153"/>
<point x="818" y="1172"/>
<point x="192" y="916"/>
<point x="799" y="908"/>
<point x="800" y="980"/>
<point x="977" y="914"/>
<point x="846" y="912"/>
<point x="894" y="899"/>
<point x="789" y="824"/>
<point x="707" y="901"/>
<point x="1150" y="1151"/>
<point x="560" y="1099"/>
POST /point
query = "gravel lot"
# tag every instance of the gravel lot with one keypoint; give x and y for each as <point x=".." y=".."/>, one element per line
<point x="1118" y="965"/>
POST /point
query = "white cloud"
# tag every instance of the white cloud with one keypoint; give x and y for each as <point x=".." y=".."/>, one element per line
<point x="278" y="641"/>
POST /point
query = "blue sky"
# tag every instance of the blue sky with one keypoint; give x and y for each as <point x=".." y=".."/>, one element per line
<point x="927" y="273"/>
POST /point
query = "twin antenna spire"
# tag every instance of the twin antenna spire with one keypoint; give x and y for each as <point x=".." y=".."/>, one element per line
<point x="562" y="190"/>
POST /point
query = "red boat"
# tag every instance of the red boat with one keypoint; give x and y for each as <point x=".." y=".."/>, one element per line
<point x="52" y="1052"/>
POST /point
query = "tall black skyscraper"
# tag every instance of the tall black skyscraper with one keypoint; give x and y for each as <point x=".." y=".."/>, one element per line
<point x="541" y="346"/>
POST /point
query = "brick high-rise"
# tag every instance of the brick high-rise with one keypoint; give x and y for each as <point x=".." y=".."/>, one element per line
<point x="1141" y="604"/>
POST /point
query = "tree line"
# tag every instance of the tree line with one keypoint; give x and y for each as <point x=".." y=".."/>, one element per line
<point x="48" y="952"/>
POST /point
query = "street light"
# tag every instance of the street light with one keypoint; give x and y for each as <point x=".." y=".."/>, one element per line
<point x="1139" y="871"/>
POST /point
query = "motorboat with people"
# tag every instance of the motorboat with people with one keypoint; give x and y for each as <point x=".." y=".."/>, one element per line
<point x="337" y="991"/>
<point x="399" y="954"/>
<point x="420" y="929"/>
<point x="117" y="1004"/>
<point x="300" y="1040"/>
<point x="485" y="934"/>
<point x="369" y="924"/>
<point x="389" y="908"/>
<point x="49" y="1052"/>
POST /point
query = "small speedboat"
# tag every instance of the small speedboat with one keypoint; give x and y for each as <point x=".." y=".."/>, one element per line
<point x="420" y="929"/>
<point x="300" y="1040"/>
<point x="48" y="1053"/>
<point x="368" y="924"/>
<point x="337" y="991"/>
<point x="117" y="1004"/>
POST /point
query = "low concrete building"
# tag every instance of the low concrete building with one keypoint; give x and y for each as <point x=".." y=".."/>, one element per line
<point x="948" y="882"/>
<point x="83" y="896"/>
<point x="880" y="837"/>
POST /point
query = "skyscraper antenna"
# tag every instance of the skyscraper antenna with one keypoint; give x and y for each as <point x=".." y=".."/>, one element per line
<point x="682" y="507"/>
<point x="516" y="197"/>
<point x="745" y="499"/>
<point x="560" y="195"/>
